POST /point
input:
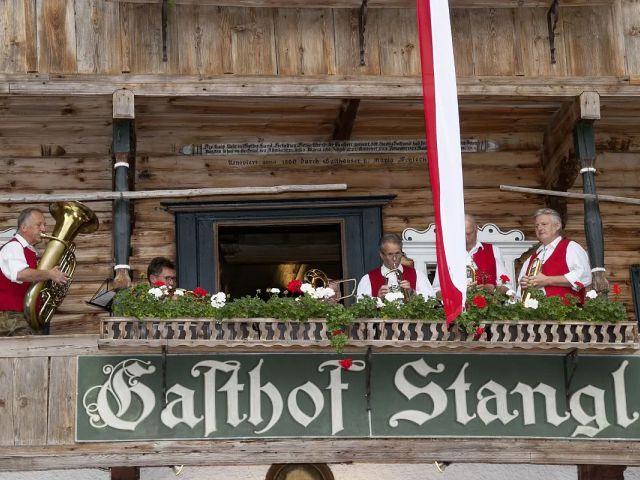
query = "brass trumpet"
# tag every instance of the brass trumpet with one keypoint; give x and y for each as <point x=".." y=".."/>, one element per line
<point x="534" y="269"/>
<point x="317" y="278"/>
<point x="472" y="273"/>
<point x="406" y="292"/>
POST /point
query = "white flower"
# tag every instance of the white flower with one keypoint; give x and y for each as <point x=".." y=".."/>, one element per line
<point x="325" y="292"/>
<point x="179" y="292"/>
<point x="379" y="302"/>
<point x="306" y="288"/>
<point x="531" y="303"/>
<point x="393" y="296"/>
<point x="591" y="294"/>
<point x="218" y="300"/>
<point x="157" y="292"/>
<point x="510" y="293"/>
<point x="275" y="291"/>
<point x="512" y="300"/>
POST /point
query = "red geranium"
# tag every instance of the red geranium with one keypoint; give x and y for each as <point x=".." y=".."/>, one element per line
<point x="294" y="286"/>
<point x="336" y="332"/>
<point x="504" y="278"/>
<point x="478" y="334"/>
<point x="199" y="292"/>
<point x="479" y="301"/>
<point x="580" y="285"/>
<point x="615" y="288"/>
<point x="159" y="283"/>
<point x="346" y="363"/>
<point x="566" y="301"/>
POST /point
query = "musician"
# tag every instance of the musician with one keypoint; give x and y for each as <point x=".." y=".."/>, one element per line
<point x="379" y="281"/>
<point x="490" y="270"/>
<point x="565" y="264"/>
<point x="18" y="270"/>
<point x="163" y="270"/>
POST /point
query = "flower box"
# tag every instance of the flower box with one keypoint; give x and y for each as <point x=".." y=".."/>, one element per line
<point x="254" y="332"/>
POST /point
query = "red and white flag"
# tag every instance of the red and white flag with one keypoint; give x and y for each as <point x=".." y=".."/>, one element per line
<point x="443" y="150"/>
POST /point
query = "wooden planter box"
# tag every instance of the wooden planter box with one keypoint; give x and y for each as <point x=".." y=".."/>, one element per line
<point x="267" y="332"/>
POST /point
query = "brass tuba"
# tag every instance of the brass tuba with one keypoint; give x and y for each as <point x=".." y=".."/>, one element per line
<point x="42" y="298"/>
<point x="317" y="278"/>
<point x="534" y="269"/>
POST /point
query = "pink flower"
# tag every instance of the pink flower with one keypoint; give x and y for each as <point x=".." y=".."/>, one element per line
<point x="504" y="278"/>
<point x="479" y="301"/>
<point x="478" y="334"/>
<point x="346" y="363"/>
<point x="199" y="292"/>
<point x="158" y="283"/>
<point x="294" y="286"/>
<point x="615" y="288"/>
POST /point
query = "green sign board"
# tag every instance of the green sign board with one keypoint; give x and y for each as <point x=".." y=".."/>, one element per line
<point x="148" y="397"/>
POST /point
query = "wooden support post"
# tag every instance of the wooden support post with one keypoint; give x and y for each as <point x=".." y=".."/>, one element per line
<point x="585" y="150"/>
<point x="601" y="472"/>
<point x="560" y="166"/>
<point x="125" y="473"/>
<point x="345" y="120"/>
<point x="124" y="155"/>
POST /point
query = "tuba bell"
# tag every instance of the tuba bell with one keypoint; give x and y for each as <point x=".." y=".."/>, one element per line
<point x="317" y="278"/>
<point x="43" y="298"/>
<point x="534" y="269"/>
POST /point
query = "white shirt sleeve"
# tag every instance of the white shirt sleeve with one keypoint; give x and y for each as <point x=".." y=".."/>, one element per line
<point x="579" y="267"/>
<point x="364" y="287"/>
<point x="423" y="286"/>
<point x="12" y="261"/>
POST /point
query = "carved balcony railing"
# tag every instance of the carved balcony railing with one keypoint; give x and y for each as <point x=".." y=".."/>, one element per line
<point x="268" y="332"/>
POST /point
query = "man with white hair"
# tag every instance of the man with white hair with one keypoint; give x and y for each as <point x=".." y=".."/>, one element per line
<point x="565" y="264"/>
<point x="18" y="270"/>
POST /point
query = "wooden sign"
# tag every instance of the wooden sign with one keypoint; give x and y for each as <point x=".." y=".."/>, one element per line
<point x="388" y="395"/>
<point x="468" y="145"/>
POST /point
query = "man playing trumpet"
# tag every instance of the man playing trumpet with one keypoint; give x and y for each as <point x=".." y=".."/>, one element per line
<point x="392" y="274"/>
<point x="565" y="264"/>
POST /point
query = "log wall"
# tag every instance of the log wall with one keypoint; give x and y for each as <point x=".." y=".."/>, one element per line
<point x="109" y="37"/>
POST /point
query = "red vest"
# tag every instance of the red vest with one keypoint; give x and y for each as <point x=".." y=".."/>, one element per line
<point x="556" y="265"/>
<point x="485" y="260"/>
<point x="11" y="293"/>
<point x="377" y="280"/>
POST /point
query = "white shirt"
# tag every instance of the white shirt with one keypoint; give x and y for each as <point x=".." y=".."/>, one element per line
<point x="423" y="287"/>
<point x="576" y="258"/>
<point x="500" y="267"/>
<point x="12" y="259"/>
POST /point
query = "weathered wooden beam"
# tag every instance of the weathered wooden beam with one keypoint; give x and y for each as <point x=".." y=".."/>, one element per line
<point x="601" y="472"/>
<point x="313" y="450"/>
<point x="124" y="149"/>
<point x="560" y="167"/>
<point x="540" y="191"/>
<point x="184" y="193"/>
<point x="346" y="119"/>
<point x="374" y="3"/>
<point x="307" y="86"/>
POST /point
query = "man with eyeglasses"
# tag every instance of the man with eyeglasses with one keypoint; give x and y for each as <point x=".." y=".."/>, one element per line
<point x="382" y="280"/>
<point x="163" y="270"/>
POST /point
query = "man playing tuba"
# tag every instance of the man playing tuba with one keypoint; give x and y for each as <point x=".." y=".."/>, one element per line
<point x="565" y="264"/>
<point x="18" y="270"/>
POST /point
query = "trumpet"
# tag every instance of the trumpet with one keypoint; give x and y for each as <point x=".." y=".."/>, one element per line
<point x="472" y="273"/>
<point x="534" y="269"/>
<point x="406" y="292"/>
<point x="317" y="278"/>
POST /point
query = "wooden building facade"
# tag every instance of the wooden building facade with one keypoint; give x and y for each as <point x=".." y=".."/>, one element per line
<point x="288" y="71"/>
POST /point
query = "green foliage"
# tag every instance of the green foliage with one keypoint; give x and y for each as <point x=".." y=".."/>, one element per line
<point x="482" y="307"/>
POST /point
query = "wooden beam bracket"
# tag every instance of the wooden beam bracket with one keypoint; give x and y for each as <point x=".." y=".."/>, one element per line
<point x="552" y="21"/>
<point x="362" y="24"/>
<point x="346" y="119"/>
